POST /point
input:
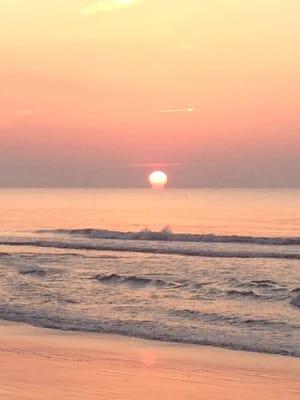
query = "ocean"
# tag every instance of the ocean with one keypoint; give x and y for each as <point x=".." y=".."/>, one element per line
<point x="204" y="266"/>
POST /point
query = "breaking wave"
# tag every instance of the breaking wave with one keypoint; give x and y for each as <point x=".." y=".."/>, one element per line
<point x="167" y="235"/>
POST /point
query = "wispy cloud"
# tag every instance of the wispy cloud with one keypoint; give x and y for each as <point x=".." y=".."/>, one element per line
<point x="107" y="6"/>
<point x="155" y="165"/>
<point x="177" y="110"/>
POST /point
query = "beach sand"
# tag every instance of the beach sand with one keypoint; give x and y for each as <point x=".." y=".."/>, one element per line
<point x="47" y="364"/>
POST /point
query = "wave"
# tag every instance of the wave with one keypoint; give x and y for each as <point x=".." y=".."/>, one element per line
<point x="167" y="235"/>
<point x="131" y="280"/>
<point x="242" y="293"/>
<point x="296" y="301"/>
<point x="37" y="272"/>
<point x="215" y="317"/>
<point x="264" y="283"/>
<point x="142" y="282"/>
<point x="141" y="247"/>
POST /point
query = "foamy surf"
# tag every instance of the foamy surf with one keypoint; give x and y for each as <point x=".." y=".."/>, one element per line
<point x="241" y="303"/>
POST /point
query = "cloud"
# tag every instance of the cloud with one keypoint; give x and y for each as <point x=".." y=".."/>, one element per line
<point x="177" y="110"/>
<point x="107" y="6"/>
<point x="155" y="165"/>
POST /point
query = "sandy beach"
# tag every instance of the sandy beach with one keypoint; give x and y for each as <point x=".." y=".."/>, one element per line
<point x="47" y="364"/>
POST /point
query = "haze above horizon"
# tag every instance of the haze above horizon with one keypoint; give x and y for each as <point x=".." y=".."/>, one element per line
<point x="101" y="93"/>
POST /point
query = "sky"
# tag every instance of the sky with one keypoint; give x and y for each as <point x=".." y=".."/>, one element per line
<point x="100" y="93"/>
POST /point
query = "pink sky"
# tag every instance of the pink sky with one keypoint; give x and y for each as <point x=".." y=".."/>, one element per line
<point x="92" y="90"/>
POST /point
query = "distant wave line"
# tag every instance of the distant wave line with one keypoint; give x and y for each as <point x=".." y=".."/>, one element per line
<point x="167" y="235"/>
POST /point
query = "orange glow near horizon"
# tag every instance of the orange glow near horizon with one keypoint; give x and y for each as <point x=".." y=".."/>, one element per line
<point x="91" y="86"/>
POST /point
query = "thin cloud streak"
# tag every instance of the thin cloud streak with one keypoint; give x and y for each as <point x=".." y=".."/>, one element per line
<point x="177" y="110"/>
<point x="157" y="165"/>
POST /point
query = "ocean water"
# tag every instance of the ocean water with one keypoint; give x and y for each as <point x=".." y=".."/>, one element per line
<point x="216" y="267"/>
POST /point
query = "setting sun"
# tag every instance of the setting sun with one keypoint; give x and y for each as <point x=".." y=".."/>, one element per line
<point x="158" y="179"/>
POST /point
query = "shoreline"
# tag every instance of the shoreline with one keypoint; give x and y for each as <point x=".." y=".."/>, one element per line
<point x="145" y="338"/>
<point x="40" y="363"/>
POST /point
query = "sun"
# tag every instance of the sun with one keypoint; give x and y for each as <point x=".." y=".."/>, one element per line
<point x="158" y="179"/>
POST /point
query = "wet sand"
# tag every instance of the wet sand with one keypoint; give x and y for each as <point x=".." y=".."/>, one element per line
<point x="42" y="364"/>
